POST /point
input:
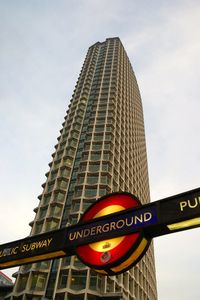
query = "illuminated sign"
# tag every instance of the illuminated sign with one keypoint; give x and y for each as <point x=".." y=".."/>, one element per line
<point x="178" y="212"/>
<point x="117" y="223"/>
<point x="114" y="255"/>
<point x="113" y="234"/>
<point x="33" y="248"/>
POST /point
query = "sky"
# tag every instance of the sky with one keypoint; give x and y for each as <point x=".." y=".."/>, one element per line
<point x="42" y="48"/>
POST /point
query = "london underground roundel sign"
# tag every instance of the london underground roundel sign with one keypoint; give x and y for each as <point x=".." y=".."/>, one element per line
<point x="115" y="255"/>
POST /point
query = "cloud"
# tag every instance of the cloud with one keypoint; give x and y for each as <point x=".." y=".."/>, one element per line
<point x="179" y="275"/>
<point x="168" y="79"/>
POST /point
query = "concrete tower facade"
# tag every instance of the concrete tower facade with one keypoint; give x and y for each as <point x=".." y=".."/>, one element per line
<point x="101" y="149"/>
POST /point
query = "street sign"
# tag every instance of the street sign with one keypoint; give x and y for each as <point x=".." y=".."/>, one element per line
<point x="119" y="217"/>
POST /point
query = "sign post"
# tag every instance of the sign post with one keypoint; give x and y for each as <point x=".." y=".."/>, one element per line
<point x="116" y="230"/>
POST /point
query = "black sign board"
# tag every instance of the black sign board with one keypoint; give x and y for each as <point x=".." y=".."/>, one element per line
<point x="176" y="213"/>
<point x="34" y="248"/>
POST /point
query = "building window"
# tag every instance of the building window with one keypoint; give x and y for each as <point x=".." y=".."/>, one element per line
<point x="38" y="228"/>
<point x="73" y="220"/>
<point x="77" y="127"/>
<point x="53" y="175"/>
<point x="75" y="134"/>
<point x="84" y="128"/>
<point x="81" y="179"/>
<point x="65" y="172"/>
<point x="77" y="163"/>
<point x="73" y="143"/>
<point x="100" y="120"/>
<point x="50" y="187"/>
<point x="93" y="167"/>
<point x="90" y="129"/>
<point x="62" y="184"/>
<point x="42" y="213"/>
<point x="70" y="152"/>
<point x="99" y="128"/>
<point x="59" y="155"/>
<point x="108" y="137"/>
<point x="43" y="265"/>
<point x="22" y="282"/>
<point x="63" y="279"/>
<point x="78" y="120"/>
<point x="59" y="197"/>
<point x="51" y="225"/>
<point x="56" y="164"/>
<point x="92" y="179"/>
<point x="78" y="279"/>
<point x="95" y="156"/>
<point x="94" y="281"/>
<point x="86" y="205"/>
<point x="66" y="261"/>
<point x="98" y="137"/>
<point x="106" y="156"/>
<point x="88" y="137"/>
<point x="85" y="156"/>
<point x="106" y="167"/>
<point x="86" y="146"/>
<point x="46" y="199"/>
<point x="110" y="285"/>
<point x="38" y="282"/>
<point x="80" y="113"/>
<point x="75" y="206"/>
<point x="56" y="210"/>
<point x="102" y="192"/>
<point x="78" y="263"/>
<point x="26" y="268"/>
<point x="104" y="179"/>
<point x="90" y="192"/>
<point x="78" y="192"/>
<point x="68" y="162"/>
<point x="96" y="146"/>
<point x="107" y="146"/>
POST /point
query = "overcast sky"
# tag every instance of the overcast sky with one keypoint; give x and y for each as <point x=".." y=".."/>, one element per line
<point x="42" y="48"/>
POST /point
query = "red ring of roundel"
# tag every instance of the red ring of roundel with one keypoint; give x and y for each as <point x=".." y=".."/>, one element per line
<point x="91" y="257"/>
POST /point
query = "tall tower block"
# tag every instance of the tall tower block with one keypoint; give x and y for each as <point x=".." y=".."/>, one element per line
<point x="101" y="149"/>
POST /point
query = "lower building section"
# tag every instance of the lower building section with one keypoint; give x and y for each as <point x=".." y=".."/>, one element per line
<point x="74" y="281"/>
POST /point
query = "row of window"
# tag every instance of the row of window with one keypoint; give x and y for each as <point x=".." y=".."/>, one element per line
<point x="94" y="179"/>
<point x="57" y="196"/>
<point x="50" y="224"/>
<point x="37" y="283"/>
<point x="54" y="210"/>
<point x="89" y="192"/>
